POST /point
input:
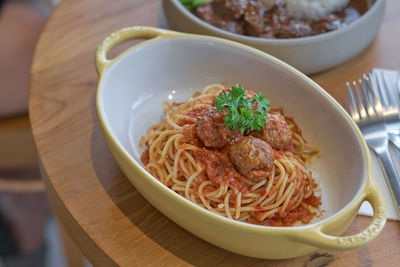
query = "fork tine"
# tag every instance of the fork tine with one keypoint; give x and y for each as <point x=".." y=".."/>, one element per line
<point x="389" y="91"/>
<point x="377" y="105"/>
<point x="367" y="99"/>
<point x="361" y="107"/>
<point x="381" y="91"/>
<point x="353" y="107"/>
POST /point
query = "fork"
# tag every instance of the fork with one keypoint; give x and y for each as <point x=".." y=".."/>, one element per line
<point x="374" y="121"/>
<point x="391" y="104"/>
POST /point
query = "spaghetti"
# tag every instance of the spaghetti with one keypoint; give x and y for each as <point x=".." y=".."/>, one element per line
<point x="209" y="175"/>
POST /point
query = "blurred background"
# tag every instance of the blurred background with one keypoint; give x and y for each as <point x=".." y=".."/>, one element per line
<point x="29" y="234"/>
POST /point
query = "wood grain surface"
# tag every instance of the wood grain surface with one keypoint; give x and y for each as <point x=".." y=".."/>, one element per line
<point x="103" y="213"/>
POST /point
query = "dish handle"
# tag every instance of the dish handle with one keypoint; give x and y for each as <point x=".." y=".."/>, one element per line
<point x="317" y="238"/>
<point x="125" y="34"/>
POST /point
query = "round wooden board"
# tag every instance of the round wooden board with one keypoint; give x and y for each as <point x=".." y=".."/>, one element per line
<point x="103" y="213"/>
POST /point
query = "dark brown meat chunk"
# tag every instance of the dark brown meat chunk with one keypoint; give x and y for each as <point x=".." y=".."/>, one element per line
<point x="254" y="19"/>
<point x="334" y="22"/>
<point x="207" y="13"/>
<point x="211" y="129"/>
<point x="229" y="25"/>
<point x="277" y="14"/>
<point x="276" y="132"/>
<point x="326" y="24"/>
<point x="250" y="17"/>
<point x="230" y="8"/>
<point x="294" y="30"/>
<point x="252" y="157"/>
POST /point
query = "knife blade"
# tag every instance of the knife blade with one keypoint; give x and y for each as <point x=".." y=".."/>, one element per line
<point x="398" y="81"/>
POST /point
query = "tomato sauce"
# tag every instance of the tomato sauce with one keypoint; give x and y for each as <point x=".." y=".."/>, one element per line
<point x="145" y="157"/>
<point x="214" y="142"/>
<point x="300" y="214"/>
<point x="219" y="168"/>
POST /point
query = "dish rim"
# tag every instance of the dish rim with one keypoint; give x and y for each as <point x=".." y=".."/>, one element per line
<point x="277" y="41"/>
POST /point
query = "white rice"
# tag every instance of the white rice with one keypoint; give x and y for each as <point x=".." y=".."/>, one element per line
<point x="310" y="9"/>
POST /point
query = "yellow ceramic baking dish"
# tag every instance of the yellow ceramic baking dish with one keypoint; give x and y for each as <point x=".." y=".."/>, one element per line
<point x="172" y="65"/>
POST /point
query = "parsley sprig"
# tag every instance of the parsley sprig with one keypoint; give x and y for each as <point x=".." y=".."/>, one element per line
<point x="243" y="112"/>
<point x="193" y="4"/>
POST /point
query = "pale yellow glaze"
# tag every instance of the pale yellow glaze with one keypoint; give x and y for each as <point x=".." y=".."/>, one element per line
<point x="261" y="241"/>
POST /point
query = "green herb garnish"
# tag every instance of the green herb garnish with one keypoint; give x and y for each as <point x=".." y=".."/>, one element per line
<point x="193" y="4"/>
<point x="244" y="113"/>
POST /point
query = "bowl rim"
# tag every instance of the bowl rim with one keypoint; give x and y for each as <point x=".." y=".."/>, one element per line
<point x="354" y="203"/>
<point x="289" y="41"/>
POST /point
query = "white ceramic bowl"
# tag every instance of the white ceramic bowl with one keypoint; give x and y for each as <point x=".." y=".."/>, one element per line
<point x="173" y="66"/>
<point x="309" y="54"/>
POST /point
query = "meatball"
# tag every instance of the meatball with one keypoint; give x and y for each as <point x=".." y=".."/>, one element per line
<point x="211" y="129"/>
<point x="276" y="132"/>
<point x="252" y="157"/>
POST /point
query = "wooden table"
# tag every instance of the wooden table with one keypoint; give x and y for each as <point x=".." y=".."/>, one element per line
<point x="108" y="219"/>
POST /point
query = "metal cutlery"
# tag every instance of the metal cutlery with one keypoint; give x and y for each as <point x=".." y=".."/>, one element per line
<point x="390" y="103"/>
<point x="398" y="81"/>
<point x="375" y="120"/>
